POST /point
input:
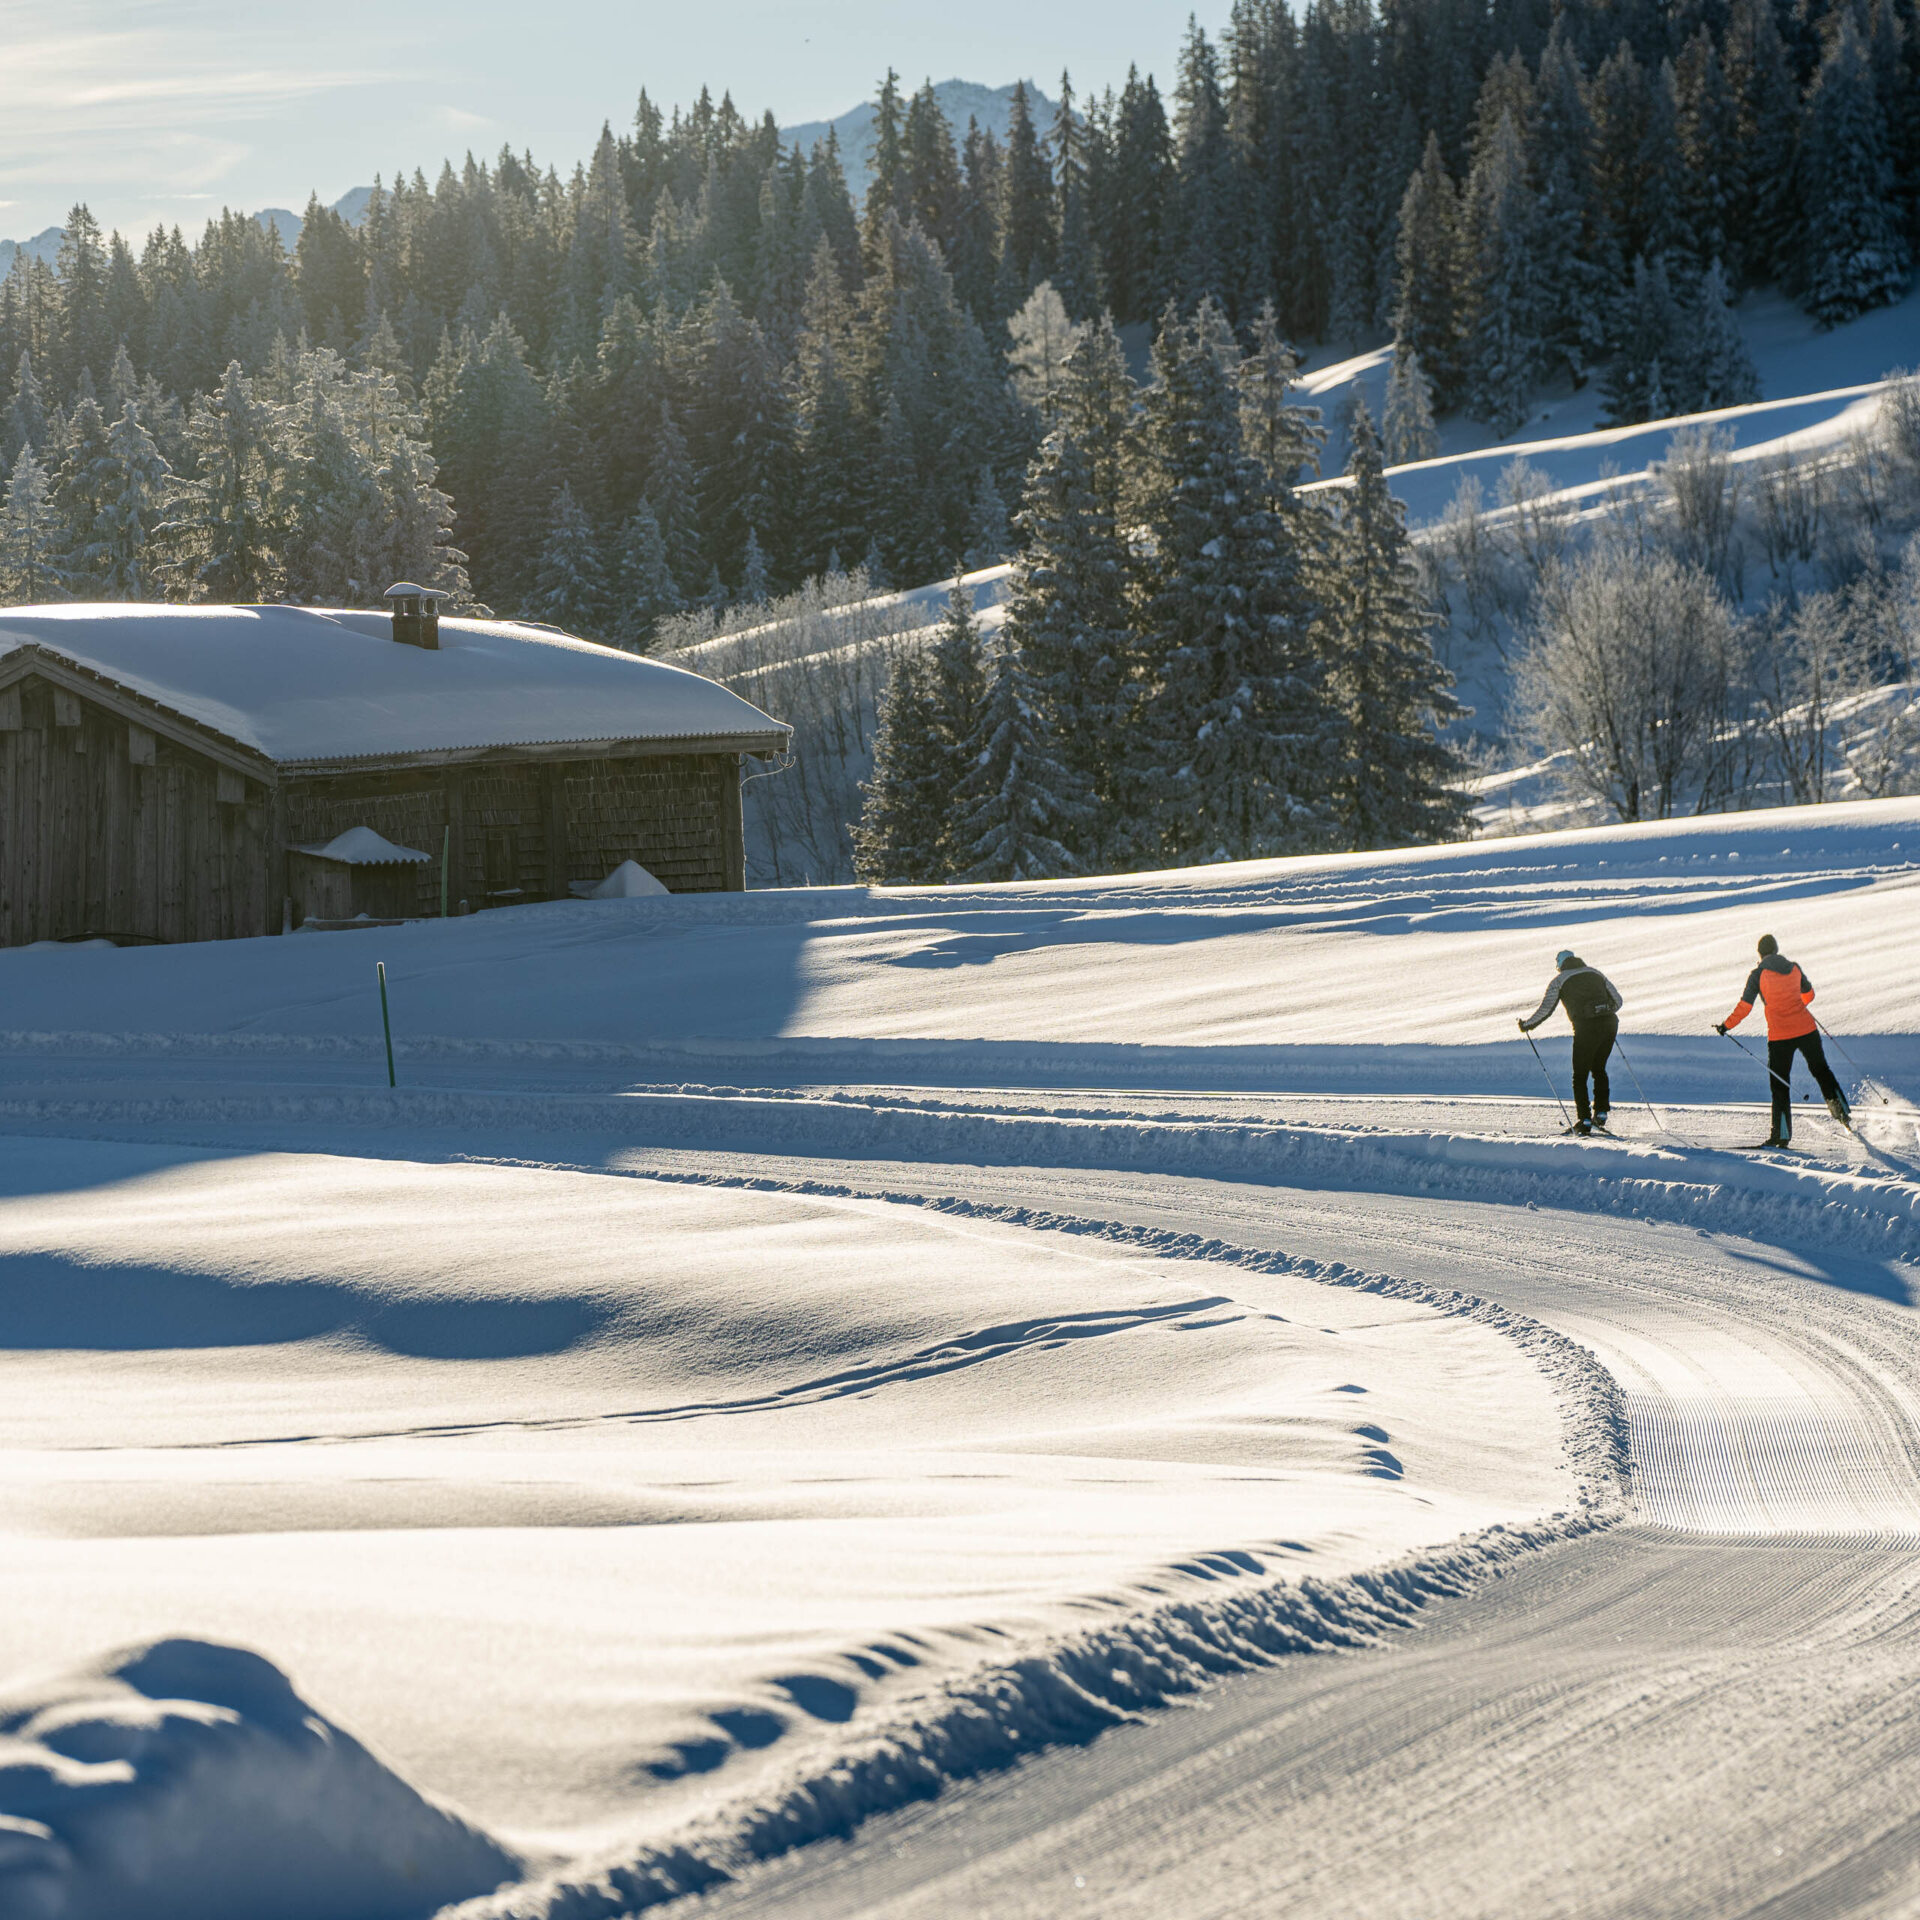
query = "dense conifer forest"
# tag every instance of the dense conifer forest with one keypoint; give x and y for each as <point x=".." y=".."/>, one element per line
<point x="693" y="372"/>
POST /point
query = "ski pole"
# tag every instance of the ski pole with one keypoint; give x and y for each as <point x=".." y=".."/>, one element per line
<point x="1628" y="1064"/>
<point x="1849" y="1059"/>
<point x="1551" y="1088"/>
<point x="1751" y="1055"/>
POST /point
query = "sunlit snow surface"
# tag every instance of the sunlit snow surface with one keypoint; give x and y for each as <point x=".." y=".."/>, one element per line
<point x="590" y="1498"/>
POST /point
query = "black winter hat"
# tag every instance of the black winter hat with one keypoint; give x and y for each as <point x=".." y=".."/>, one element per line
<point x="1769" y="946"/>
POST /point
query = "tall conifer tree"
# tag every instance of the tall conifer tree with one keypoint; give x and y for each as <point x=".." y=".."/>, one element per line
<point x="1396" y="783"/>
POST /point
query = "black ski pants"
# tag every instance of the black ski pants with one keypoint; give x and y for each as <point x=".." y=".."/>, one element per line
<point x="1780" y="1075"/>
<point x="1592" y="1043"/>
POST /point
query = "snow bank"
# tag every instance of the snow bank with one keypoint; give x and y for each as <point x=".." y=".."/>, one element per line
<point x="1666" y="1179"/>
<point x="1089" y="1681"/>
<point x="629" y="881"/>
<point x="188" y="1781"/>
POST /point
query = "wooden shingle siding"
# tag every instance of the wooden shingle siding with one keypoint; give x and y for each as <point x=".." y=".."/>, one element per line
<point x="551" y="822"/>
<point x="94" y="841"/>
<point x="667" y="811"/>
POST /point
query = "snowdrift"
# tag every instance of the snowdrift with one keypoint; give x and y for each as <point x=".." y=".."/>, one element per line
<point x="187" y="1781"/>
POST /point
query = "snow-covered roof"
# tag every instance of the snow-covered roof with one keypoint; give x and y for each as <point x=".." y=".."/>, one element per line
<point x="362" y="847"/>
<point x="299" y="684"/>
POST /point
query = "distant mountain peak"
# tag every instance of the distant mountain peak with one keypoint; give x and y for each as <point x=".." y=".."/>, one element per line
<point x="351" y="207"/>
<point x="960" y="101"/>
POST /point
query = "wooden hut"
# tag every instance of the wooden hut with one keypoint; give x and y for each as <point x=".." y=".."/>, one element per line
<point x="169" y="773"/>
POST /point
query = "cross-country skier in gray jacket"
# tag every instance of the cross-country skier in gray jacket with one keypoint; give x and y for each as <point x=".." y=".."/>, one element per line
<point x="1593" y="1004"/>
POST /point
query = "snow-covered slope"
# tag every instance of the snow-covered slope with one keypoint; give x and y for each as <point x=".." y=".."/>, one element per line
<point x="1369" y="971"/>
<point x="1814" y="385"/>
<point x="700" y="1401"/>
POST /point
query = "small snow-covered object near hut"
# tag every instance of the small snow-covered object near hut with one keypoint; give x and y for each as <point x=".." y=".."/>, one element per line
<point x="628" y="881"/>
<point x="358" y="874"/>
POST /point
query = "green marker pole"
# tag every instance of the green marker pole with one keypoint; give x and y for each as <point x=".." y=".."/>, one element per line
<point x="386" y="1025"/>
<point x="446" y="854"/>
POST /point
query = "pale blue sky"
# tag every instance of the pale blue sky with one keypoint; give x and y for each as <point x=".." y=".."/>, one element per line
<point x="154" y="110"/>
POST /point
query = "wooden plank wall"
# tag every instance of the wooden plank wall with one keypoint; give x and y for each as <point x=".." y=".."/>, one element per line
<point x="105" y="829"/>
<point x="557" y="821"/>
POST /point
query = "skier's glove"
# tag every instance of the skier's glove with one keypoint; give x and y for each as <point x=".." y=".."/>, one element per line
<point x="1521" y="1024"/>
<point x="1720" y="1026"/>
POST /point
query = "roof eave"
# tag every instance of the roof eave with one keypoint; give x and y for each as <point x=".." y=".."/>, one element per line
<point x="760" y="741"/>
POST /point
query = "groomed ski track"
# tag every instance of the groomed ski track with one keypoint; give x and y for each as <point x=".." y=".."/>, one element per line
<point x="1709" y="1709"/>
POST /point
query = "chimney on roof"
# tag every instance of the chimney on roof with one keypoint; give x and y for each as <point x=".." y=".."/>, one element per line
<point x="416" y="615"/>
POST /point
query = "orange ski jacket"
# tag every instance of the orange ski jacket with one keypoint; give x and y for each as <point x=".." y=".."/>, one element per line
<point x="1786" y="992"/>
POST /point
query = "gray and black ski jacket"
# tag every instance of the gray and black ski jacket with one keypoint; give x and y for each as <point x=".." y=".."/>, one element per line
<point x="1587" y="994"/>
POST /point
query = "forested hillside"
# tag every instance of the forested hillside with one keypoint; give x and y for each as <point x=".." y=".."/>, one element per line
<point x="692" y="373"/>
<point x="691" y="365"/>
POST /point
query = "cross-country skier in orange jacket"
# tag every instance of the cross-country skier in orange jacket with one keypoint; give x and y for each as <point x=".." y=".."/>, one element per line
<point x="1787" y="993"/>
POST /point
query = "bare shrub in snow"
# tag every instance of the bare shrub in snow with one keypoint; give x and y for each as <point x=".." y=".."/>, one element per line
<point x="1703" y="491"/>
<point x="1791" y="511"/>
<point x="1537" y="523"/>
<point x="1629" y="672"/>
<point x="1470" y="577"/>
<point x="1877" y="730"/>
<point x="1863" y="479"/>
<point x="819" y="660"/>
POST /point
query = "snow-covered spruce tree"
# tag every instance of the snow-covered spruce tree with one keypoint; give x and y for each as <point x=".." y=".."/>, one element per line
<point x="673" y="492"/>
<point x="570" y="578"/>
<point x="1236" y="733"/>
<point x="33" y="537"/>
<point x="1765" y="115"/>
<point x="1651" y="340"/>
<point x="333" y="512"/>
<point x="1043" y="337"/>
<point x="1499" y="301"/>
<point x="110" y="487"/>
<point x="1067" y="608"/>
<point x="1018" y="803"/>
<point x="988" y="535"/>
<point x="1712" y="167"/>
<point x="1426" y="308"/>
<point x="900" y="837"/>
<point x="221" y="536"/>
<point x="645" y="590"/>
<point x="755" y="586"/>
<point x="1396" y="782"/>
<point x="416" y="535"/>
<point x="27" y="414"/>
<point x="1853" y="253"/>
<point x="956" y="689"/>
<point x="1028" y="236"/>
<point x="1284" y="436"/>
<point x="1571" y="314"/>
<point x="1720" y="370"/>
<point x="1408" y="423"/>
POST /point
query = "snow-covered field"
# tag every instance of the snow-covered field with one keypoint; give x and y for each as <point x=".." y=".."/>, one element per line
<point x="776" y="1356"/>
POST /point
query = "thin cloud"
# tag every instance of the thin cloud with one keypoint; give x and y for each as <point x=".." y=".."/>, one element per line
<point x="261" y="86"/>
